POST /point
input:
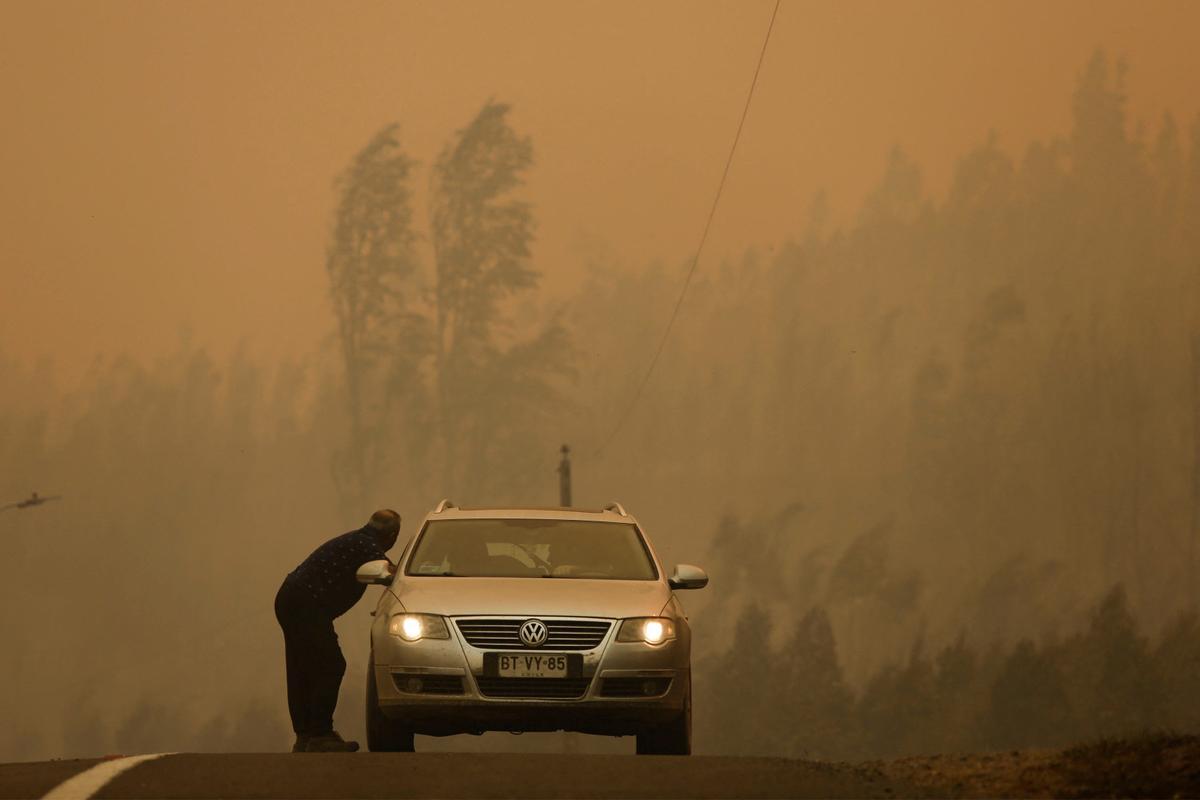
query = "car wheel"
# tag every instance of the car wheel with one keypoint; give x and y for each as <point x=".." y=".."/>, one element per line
<point x="673" y="738"/>
<point x="383" y="734"/>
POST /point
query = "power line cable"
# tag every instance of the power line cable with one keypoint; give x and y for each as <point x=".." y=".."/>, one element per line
<point x="703" y="239"/>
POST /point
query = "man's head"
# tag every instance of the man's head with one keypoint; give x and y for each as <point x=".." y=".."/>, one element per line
<point x="385" y="524"/>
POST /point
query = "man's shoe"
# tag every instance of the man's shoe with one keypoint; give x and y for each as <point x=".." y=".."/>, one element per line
<point x="330" y="743"/>
<point x="301" y="744"/>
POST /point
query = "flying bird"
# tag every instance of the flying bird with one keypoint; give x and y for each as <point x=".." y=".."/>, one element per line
<point x="34" y="499"/>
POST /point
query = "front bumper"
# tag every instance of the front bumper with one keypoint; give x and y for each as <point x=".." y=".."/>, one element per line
<point x="439" y="687"/>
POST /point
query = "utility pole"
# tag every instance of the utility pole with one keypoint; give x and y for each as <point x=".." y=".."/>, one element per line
<point x="570" y="741"/>
<point x="564" y="478"/>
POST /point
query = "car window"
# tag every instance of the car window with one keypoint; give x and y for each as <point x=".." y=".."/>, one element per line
<point x="532" y="548"/>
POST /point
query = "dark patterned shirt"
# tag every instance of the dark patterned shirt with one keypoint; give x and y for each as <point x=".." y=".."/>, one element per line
<point x="329" y="573"/>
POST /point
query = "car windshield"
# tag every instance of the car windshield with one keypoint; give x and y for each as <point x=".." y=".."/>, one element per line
<point x="532" y="548"/>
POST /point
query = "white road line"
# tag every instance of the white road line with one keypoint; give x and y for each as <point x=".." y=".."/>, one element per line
<point x="90" y="781"/>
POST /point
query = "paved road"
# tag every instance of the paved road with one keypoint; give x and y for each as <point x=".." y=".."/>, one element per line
<point x="460" y="775"/>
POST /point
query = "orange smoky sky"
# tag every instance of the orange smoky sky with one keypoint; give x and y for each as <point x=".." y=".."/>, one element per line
<point x="167" y="167"/>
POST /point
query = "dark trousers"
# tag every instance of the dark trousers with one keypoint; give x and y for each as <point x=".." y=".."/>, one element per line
<point x="315" y="665"/>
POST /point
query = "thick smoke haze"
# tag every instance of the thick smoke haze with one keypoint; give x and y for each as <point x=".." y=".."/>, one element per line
<point x="929" y="414"/>
<point x="168" y="168"/>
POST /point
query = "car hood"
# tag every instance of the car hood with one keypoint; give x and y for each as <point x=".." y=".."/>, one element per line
<point x="567" y="597"/>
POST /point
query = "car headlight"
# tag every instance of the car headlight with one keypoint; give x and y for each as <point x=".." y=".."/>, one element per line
<point x="411" y="627"/>
<point x="651" y="630"/>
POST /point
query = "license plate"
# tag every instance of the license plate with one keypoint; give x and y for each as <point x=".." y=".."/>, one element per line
<point x="523" y="666"/>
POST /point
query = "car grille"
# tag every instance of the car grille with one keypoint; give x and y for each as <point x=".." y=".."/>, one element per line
<point x="544" y="688"/>
<point x="564" y="634"/>
<point x="634" y="687"/>
<point x="428" y="684"/>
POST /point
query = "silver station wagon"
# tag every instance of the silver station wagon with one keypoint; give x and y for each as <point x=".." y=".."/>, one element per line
<point x="526" y="619"/>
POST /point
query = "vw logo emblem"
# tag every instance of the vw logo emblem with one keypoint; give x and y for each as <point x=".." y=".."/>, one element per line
<point x="533" y="633"/>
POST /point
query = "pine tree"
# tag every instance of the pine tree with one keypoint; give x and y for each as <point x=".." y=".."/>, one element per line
<point x="1128" y="692"/>
<point x="815" y="702"/>
<point x="743" y="713"/>
<point x="1029" y="706"/>
<point x="1177" y="661"/>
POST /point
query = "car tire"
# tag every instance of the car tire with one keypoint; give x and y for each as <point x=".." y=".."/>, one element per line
<point x="383" y="734"/>
<point x="672" y="738"/>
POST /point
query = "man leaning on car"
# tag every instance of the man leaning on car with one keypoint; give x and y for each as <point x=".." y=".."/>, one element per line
<point x="312" y="596"/>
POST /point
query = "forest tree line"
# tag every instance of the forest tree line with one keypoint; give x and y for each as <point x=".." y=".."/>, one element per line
<point x="775" y="684"/>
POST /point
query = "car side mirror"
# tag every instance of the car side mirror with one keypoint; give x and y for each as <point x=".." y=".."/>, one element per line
<point x="687" y="576"/>
<point x="375" y="572"/>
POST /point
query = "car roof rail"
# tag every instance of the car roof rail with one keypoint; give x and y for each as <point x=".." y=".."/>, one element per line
<point x="442" y="506"/>
<point x="617" y="507"/>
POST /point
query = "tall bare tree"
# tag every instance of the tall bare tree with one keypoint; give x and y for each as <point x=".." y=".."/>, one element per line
<point x="373" y="278"/>
<point x="481" y="242"/>
<point x="481" y="234"/>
